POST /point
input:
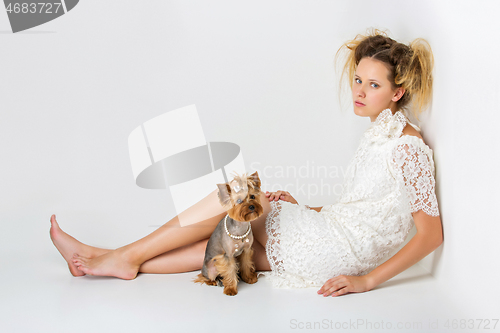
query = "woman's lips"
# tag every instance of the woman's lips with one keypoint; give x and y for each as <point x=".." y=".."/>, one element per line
<point x="359" y="103"/>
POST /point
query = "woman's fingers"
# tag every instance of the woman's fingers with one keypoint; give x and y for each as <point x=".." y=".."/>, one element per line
<point x="288" y="197"/>
<point x="344" y="284"/>
<point x="280" y="195"/>
<point x="270" y="195"/>
<point x="336" y="286"/>
<point x="273" y="195"/>
<point x="336" y="290"/>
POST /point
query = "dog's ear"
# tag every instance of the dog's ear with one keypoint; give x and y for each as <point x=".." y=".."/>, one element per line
<point x="254" y="177"/>
<point x="224" y="195"/>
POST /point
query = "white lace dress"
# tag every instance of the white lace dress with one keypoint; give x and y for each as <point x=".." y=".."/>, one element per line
<point x="390" y="177"/>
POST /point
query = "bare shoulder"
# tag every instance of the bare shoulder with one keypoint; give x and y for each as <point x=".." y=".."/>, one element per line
<point x="409" y="130"/>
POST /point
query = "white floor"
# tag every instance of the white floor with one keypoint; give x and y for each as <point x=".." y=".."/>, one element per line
<point x="39" y="295"/>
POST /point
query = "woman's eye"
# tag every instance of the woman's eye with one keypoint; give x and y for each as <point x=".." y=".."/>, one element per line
<point x="375" y="85"/>
<point x="356" y="80"/>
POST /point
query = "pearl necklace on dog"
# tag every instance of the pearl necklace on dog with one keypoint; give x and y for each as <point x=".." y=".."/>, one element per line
<point x="237" y="237"/>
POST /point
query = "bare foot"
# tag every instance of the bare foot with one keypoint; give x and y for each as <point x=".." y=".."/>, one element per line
<point x="68" y="246"/>
<point x="114" y="263"/>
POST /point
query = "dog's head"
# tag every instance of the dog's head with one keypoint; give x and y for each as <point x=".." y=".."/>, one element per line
<point x="241" y="197"/>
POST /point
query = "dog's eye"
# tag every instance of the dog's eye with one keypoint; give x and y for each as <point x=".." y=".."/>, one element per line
<point x="252" y="197"/>
<point x="239" y="201"/>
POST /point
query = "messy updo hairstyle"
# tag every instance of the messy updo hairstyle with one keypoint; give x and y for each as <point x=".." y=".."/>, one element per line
<point x="410" y="66"/>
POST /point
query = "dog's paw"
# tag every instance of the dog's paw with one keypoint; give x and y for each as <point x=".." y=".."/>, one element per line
<point x="212" y="283"/>
<point x="230" y="291"/>
<point x="251" y="279"/>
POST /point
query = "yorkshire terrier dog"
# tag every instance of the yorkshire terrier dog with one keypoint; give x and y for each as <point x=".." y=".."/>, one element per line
<point x="229" y="249"/>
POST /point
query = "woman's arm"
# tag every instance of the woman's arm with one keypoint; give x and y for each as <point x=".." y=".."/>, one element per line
<point x="428" y="237"/>
<point x="286" y="196"/>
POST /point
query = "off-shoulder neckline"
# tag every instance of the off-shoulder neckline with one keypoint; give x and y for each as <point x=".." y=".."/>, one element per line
<point x="389" y="126"/>
<point x="399" y="117"/>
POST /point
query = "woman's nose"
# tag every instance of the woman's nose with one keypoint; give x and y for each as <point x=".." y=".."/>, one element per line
<point x="360" y="92"/>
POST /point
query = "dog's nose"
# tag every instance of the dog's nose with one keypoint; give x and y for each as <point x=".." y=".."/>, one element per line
<point x="251" y="207"/>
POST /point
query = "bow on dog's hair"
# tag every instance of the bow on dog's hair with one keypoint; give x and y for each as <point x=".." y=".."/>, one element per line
<point x="238" y="184"/>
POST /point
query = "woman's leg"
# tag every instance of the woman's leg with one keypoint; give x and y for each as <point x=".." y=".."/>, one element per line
<point x="190" y="258"/>
<point x="68" y="246"/>
<point x="186" y="258"/>
<point x="126" y="261"/>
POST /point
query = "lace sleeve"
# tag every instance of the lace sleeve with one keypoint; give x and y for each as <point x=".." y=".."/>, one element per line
<point x="417" y="170"/>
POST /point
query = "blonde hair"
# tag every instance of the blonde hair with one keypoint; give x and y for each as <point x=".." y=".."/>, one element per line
<point x="410" y="66"/>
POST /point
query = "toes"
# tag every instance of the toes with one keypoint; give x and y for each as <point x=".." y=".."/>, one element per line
<point x="81" y="264"/>
<point x="79" y="257"/>
<point x="53" y="220"/>
<point x="79" y="260"/>
<point x="55" y="230"/>
<point x="75" y="271"/>
<point x="85" y="270"/>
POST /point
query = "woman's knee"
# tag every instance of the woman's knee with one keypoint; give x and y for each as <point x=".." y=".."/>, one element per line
<point x="260" y="257"/>
<point x="259" y="224"/>
<point x="264" y="202"/>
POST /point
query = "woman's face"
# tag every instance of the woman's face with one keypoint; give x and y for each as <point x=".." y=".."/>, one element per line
<point x="372" y="91"/>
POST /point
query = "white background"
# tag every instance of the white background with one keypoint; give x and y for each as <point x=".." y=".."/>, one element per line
<point x="262" y="75"/>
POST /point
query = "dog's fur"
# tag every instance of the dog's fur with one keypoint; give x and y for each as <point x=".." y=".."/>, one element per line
<point x="226" y="258"/>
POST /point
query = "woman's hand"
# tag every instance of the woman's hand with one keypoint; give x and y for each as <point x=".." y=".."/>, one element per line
<point x="281" y="195"/>
<point x="344" y="284"/>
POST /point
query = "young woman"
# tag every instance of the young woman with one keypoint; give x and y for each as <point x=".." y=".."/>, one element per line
<point x="389" y="186"/>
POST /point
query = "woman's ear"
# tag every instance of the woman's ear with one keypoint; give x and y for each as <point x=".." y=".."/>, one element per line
<point x="398" y="94"/>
